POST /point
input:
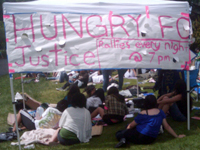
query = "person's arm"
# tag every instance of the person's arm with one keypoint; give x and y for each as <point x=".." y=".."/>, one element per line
<point x="135" y="74"/>
<point x="170" y="100"/>
<point x="170" y="130"/>
<point x="63" y="119"/>
<point x="168" y="95"/>
<point x="132" y="125"/>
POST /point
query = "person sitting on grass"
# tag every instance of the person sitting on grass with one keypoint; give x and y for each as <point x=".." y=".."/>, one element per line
<point x="73" y="89"/>
<point x="49" y="119"/>
<point x="145" y="127"/>
<point x="175" y="102"/>
<point x="75" y="123"/>
<point x="31" y="123"/>
<point x="95" y="97"/>
<point x="81" y="80"/>
<point x="115" y="108"/>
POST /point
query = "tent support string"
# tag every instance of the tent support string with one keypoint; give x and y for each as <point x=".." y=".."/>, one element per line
<point x="13" y="103"/>
<point x="22" y="82"/>
<point x="188" y="100"/>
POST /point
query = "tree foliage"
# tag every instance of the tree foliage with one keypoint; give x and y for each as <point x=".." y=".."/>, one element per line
<point x="196" y="33"/>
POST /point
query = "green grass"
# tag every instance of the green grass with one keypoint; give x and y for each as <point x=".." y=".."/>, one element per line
<point x="44" y="91"/>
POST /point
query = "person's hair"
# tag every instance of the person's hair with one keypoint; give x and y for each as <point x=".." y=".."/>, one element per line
<point x="113" y="90"/>
<point x="44" y="105"/>
<point x="78" y="100"/>
<point x="89" y="89"/>
<point x="150" y="102"/>
<point x="62" y="105"/>
<point x="72" y="90"/>
<point x="180" y="88"/>
<point x="100" y="93"/>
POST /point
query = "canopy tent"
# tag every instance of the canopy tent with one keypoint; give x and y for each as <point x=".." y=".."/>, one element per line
<point x="47" y="36"/>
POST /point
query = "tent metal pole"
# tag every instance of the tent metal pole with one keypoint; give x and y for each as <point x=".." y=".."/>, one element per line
<point x="13" y="103"/>
<point x="188" y="100"/>
<point x="22" y="82"/>
<point x="137" y="83"/>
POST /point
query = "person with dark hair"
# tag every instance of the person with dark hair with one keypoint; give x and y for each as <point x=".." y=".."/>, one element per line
<point x="115" y="108"/>
<point x="27" y="118"/>
<point x="95" y="97"/>
<point x="73" y="89"/>
<point x="175" y="102"/>
<point x="48" y="119"/>
<point x="51" y="116"/>
<point x="75" y="123"/>
<point x="145" y="127"/>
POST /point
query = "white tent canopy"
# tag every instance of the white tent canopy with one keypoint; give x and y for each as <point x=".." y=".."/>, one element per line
<point x="49" y="35"/>
<point x="96" y="6"/>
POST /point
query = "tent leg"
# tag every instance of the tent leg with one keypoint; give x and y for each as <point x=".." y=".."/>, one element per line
<point x="137" y="83"/>
<point x="22" y="82"/>
<point x="13" y="102"/>
<point x="188" y="100"/>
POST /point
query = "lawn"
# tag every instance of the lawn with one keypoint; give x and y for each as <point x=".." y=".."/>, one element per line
<point x="44" y="91"/>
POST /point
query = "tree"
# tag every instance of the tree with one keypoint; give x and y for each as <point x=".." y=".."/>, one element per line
<point x="195" y="17"/>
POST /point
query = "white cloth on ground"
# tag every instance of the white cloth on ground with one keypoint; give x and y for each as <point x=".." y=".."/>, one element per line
<point x="36" y="136"/>
<point x="78" y="121"/>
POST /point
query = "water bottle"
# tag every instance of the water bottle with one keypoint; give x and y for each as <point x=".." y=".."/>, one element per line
<point x="38" y="76"/>
<point x="131" y="106"/>
<point x="32" y="146"/>
<point x="39" y="113"/>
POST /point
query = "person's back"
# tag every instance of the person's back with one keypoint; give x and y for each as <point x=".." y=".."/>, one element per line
<point x="145" y="126"/>
<point x="149" y="121"/>
<point x="93" y="101"/>
<point x="75" y="122"/>
<point x="115" y="107"/>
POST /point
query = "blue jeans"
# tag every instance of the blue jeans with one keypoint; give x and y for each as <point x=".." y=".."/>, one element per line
<point x="176" y="113"/>
<point x="106" y="74"/>
<point x="197" y="64"/>
<point x="52" y="78"/>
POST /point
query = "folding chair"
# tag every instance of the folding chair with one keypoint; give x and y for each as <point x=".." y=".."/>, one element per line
<point x="193" y="82"/>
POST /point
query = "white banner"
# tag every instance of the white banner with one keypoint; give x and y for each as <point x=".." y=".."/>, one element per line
<point x="70" y="41"/>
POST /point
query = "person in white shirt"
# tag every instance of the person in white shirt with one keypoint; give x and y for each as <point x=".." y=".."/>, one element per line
<point x="75" y="123"/>
<point x="95" y="97"/>
<point x="130" y="73"/>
